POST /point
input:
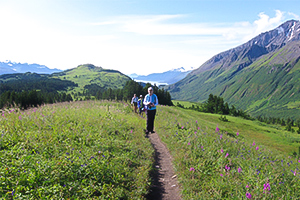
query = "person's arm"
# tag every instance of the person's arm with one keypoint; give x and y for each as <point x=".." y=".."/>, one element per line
<point x="156" y="100"/>
<point x="145" y="101"/>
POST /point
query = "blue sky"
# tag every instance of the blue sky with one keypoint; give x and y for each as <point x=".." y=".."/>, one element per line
<point x="133" y="36"/>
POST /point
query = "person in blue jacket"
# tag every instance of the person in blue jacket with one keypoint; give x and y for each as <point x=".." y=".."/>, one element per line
<point x="140" y="104"/>
<point x="150" y="103"/>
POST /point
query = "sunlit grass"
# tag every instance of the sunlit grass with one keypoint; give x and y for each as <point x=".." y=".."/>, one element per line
<point x="228" y="160"/>
<point x="73" y="150"/>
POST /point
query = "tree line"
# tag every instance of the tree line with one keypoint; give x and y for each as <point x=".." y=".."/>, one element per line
<point x="216" y="105"/>
<point x="25" y="98"/>
<point x="131" y="87"/>
<point x="32" y="98"/>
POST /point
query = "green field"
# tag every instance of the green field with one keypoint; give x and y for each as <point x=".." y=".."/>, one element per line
<point x="96" y="149"/>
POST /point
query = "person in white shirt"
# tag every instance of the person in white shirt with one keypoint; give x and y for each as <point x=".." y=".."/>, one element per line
<point x="150" y="103"/>
<point x="134" y="101"/>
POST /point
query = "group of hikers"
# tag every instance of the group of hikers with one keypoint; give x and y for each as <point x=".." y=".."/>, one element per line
<point x="147" y="105"/>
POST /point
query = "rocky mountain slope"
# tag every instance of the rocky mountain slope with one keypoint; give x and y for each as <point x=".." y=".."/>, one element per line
<point x="261" y="76"/>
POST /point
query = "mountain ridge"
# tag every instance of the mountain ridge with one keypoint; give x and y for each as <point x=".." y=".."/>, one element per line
<point x="258" y="76"/>
<point x="9" y="67"/>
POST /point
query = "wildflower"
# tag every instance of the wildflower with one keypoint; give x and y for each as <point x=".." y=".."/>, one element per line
<point x="192" y="169"/>
<point x="196" y="121"/>
<point x="239" y="170"/>
<point x="237" y="134"/>
<point x="221" y="174"/>
<point x="226" y="155"/>
<point x="217" y="129"/>
<point x="253" y="144"/>
<point x="267" y="187"/>
<point x="20" y="117"/>
<point x="257" y="148"/>
<point x="131" y="131"/>
<point x="189" y="143"/>
<point x="227" y="167"/>
<point x="221" y="136"/>
<point x="248" y="195"/>
<point x="222" y="151"/>
<point x="247" y="186"/>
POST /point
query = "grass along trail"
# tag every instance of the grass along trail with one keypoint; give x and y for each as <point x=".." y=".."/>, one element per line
<point x="165" y="185"/>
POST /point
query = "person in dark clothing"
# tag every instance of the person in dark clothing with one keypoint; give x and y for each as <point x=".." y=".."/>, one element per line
<point x="150" y="103"/>
<point x="140" y="104"/>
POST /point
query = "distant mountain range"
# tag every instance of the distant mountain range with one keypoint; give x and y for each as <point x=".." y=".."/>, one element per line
<point x="9" y="67"/>
<point x="168" y="77"/>
<point x="261" y="76"/>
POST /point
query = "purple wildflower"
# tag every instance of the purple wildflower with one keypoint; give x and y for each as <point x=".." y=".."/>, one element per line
<point x="217" y="129"/>
<point x="257" y="148"/>
<point x="239" y="170"/>
<point x="253" y="144"/>
<point x="192" y="169"/>
<point x="226" y="155"/>
<point x="248" y="195"/>
<point x="237" y="134"/>
<point x="189" y="143"/>
<point x="222" y="151"/>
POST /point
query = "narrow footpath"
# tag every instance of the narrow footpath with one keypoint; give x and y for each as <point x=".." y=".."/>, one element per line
<point x="165" y="185"/>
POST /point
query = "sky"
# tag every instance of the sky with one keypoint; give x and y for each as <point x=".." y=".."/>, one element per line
<point x="133" y="36"/>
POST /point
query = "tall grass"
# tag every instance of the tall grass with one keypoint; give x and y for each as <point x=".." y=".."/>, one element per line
<point x="212" y="163"/>
<point x="79" y="150"/>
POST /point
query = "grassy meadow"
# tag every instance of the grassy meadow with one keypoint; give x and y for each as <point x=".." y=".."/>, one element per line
<point x="97" y="150"/>
<point x="78" y="150"/>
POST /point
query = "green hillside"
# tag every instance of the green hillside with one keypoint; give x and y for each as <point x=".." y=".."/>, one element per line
<point x="88" y="74"/>
<point x="73" y="80"/>
<point x="269" y="86"/>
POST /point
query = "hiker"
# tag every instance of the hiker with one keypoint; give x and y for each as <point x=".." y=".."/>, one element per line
<point x="140" y="104"/>
<point x="134" y="101"/>
<point x="150" y="103"/>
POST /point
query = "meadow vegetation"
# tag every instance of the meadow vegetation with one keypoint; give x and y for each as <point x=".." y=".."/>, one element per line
<point x="96" y="149"/>
<point x="78" y="150"/>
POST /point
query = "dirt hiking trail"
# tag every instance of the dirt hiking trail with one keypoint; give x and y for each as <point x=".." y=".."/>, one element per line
<point x="165" y="185"/>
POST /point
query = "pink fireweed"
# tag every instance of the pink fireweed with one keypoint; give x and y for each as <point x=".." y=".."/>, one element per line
<point x="221" y="136"/>
<point x="248" y="195"/>
<point x="192" y="169"/>
<point x="237" y="134"/>
<point x="239" y="170"/>
<point x="226" y="155"/>
<point x="267" y="187"/>
<point x="217" y="129"/>
<point x="189" y="143"/>
<point x="257" y="148"/>
<point x="227" y="168"/>
<point x="253" y="144"/>
<point x="221" y="174"/>
<point x="221" y="150"/>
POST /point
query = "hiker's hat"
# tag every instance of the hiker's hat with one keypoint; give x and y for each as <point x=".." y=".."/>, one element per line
<point x="150" y="88"/>
<point x="141" y="95"/>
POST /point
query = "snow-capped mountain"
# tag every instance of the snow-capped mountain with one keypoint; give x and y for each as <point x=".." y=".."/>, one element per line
<point x="168" y="77"/>
<point x="9" y="67"/>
